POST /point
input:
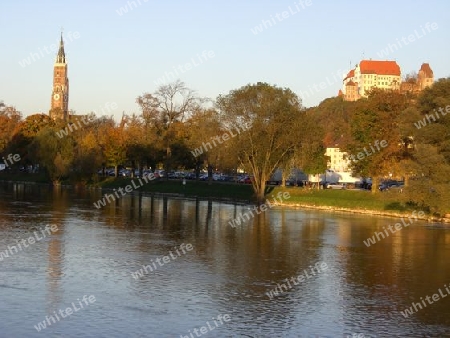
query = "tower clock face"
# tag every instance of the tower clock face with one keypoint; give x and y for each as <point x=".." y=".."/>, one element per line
<point x="56" y="96"/>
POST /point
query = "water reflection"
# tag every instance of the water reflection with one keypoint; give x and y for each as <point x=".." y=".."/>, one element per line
<point x="55" y="250"/>
<point x="229" y="271"/>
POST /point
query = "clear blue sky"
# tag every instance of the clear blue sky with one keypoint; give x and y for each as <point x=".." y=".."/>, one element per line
<point x="118" y="57"/>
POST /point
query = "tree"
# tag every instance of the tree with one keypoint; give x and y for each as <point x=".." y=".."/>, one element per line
<point x="9" y="119"/>
<point x="376" y="135"/>
<point x="53" y="153"/>
<point x="202" y="127"/>
<point x="264" y="121"/>
<point x="114" y="147"/>
<point x="429" y="164"/>
<point x="24" y="135"/>
<point x="310" y="153"/>
<point x="168" y="105"/>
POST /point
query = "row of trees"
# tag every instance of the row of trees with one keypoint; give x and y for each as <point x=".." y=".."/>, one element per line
<point x="174" y="122"/>
<point x="276" y="131"/>
<point x="417" y="131"/>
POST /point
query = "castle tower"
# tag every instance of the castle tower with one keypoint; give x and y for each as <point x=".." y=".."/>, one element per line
<point x="60" y="93"/>
<point x="425" y="76"/>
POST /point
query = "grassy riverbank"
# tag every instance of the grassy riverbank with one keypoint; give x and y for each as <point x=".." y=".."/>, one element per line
<point x="237" y="192"/>
<point x="351" y="199"/>
<point x="386" y="203"/>
<point x="348" y="199"/>
<point x="24" y="177"/>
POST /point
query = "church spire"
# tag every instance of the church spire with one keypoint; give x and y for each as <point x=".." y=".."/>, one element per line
<point x="60" y="94"/>
<point x="61" y="57"/>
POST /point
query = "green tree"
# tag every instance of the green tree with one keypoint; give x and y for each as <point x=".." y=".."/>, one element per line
<point x="264" y="121"/>
<point x="428" y="124"/>
<point x="54" y="154"/>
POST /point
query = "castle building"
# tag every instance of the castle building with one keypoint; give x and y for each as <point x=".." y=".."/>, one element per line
<point x="60" y="93"/>
<point x="369" y="74"/>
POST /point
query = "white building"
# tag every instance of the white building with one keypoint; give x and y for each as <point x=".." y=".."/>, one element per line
<point x="337" y="159"/>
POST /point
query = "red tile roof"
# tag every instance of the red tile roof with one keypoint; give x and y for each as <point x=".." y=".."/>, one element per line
<point x="426" y="69"/>
<point x="350" y="83"/>
<point x="350" y="74"/>
<point x="379" y="67"/>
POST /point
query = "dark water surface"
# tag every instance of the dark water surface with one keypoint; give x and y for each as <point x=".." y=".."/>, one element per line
<point x="229" y="271"/>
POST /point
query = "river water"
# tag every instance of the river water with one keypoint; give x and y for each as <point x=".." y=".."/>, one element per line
<point x="204" y="278"/>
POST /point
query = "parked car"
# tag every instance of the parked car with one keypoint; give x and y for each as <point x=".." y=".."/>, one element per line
<point x="125" y="173"/>
<point x="292" y="181"/>
<point x="246" y="179"/>
<point x="335" y="186"/>
<point x="218" y="177"/>
<point x="190" y="176"/>
<point x="160" y="173"/>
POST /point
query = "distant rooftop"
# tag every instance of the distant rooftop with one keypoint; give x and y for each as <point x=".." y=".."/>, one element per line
<point x="379" y="67"/>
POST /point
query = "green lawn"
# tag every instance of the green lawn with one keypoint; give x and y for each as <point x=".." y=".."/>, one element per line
<point x="24" y="177"/>
<point x="241" y="192"/>
<point x="351" y="199"/>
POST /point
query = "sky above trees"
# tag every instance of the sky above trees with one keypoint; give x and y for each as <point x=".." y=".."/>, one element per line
<point x="118" y="50"/>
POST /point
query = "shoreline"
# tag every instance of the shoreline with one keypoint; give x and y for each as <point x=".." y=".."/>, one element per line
<point x="292" y="206"/>
<point x="360" y="211"/>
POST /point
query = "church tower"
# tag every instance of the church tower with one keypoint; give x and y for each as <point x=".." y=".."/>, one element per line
<point x="60" y="94"/>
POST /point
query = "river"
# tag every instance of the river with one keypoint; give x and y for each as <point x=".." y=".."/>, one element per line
<point x="69" y="269"/>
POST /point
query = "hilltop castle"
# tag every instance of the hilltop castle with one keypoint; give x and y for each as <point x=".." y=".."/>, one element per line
<point x="370" y="74"/>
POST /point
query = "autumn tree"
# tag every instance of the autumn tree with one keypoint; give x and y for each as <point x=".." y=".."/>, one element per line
<point x="114" y="146"/>
<point x="376" y="148"/>
<point x="88" y="155"/>
<point x="9" y="119"/>
<point x="202" y="127"/>
<point x="264" y="121"/>
<point x="24" y="134"/>
<point x="168" y="105"/>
